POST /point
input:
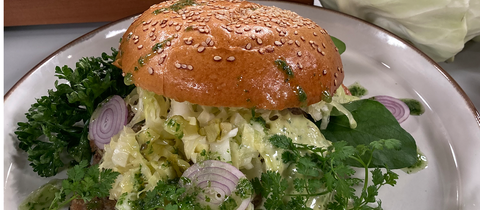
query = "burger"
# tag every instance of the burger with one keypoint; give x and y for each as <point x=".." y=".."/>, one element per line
<point x="214" y="79"/>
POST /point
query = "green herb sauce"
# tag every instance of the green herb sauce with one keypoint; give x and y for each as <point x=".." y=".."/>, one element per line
<point x="42" y="197"/>
<point x="161" y="44"/>
<point x="416" y="108"/>
<point x="357" y="90"/>
<point x="128" y="80"/>
<point x="326" y="96"/>
<point x="302" y="96"/>
<point x="175" y="7"/>
<point x="421" y="164"/>
<point x="283" y="66"/>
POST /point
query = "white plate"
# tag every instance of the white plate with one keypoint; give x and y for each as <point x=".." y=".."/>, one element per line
<point x="448" y="133"/>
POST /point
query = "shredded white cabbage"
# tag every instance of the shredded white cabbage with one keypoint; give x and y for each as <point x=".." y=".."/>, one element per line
<point x="170" y="135"/>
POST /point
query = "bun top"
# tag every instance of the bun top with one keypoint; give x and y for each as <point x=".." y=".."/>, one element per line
<point x="230" y="54"/>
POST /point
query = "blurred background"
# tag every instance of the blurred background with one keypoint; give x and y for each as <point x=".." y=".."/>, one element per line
<point x="448" y="31"/>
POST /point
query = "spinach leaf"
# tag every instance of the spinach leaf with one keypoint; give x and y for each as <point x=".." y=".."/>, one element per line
<point x="339" y="44"/>
<point x="375" y="123"/>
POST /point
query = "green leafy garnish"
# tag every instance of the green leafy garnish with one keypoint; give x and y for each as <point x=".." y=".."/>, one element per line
<point x="84" y="183"/>
<point x="324" y="172"/>
<point x="375" y="123"/>
<point x="62" y="117"/>
<point x="175" y="7"/>
<point x="339" y="44"/>
<point x="283" y="66"/>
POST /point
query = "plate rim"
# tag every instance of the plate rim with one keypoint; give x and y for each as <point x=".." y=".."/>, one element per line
<point x="446" y="75"/>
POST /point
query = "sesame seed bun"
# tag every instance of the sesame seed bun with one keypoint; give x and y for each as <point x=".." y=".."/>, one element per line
<point x="230" y="54"/>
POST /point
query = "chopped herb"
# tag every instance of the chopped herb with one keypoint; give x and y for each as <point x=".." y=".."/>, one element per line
<point x="244" y="188"/>
<point x="189" y="28"/>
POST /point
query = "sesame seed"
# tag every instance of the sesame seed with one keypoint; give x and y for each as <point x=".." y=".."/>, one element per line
<point x="282" y="40"/>
<point x="253" y="36"/>
<point x="324" y="72"/>
<point x="341" y="69"/>
<point x="335" y="75"/>
<point x="323" y="45"/>
<point x="290" y="41"/>
<point x="323" y="53"/>
<point x="238" y="26"/>
<point x="246" y="28"/>
<point x="314" y="33"/>
<point x="150" y="70"/>
<point x="135" y="41"/>
<point x="231" y="58"/>
<point x="201" y="30"/>
<point x="148" y="22"/>
<point x="204" y="44"/>
<point x="178" y="28"/>
<point x="153" y="38"/>
<point x="261" y="51"/>
<point x="336" y="49"/>
<point x="145" y="28"/>
<point x="248" y="46"/>
<point x="302" y="38"/>
<point x="269" y="48"/>
<point x="311" y="42"/>
<point x="201" y="49"/>
<point x="144" y="23"/>
<point x="338" y="68"/>
<point x="150" y="34"/>
<point x="160" y="61"/>
<point x="139" y="46"/>
<point x="196" y="45"/>
<point x="184" y="66"/>
<point x="211" y="43"/>
<point x="178" y="65"/>
<point x="299" y="54"/>
<point x="296" y="32"/>
<point x="229" y="29"/>
<point x="258" y="30"/>
<point x="190" y="67"/>
<point x="155" y="23"/>
<point x="278" y="30"/>
<point x="300" y="66"/>
<point x="217" y="58"/>
<point x="335" y="82"/>
<point x="297" y="43"/>
<point x="160" y="50"/>
<point x="319" y="50"/>
<point x="153" y="29"/>
<point x="168" y="43"/>
<point x="208" y="40"/>
<point x="278" y="43"/>
<point x="259" y="41"/>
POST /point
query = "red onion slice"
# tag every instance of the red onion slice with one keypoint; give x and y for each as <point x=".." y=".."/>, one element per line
<point x="397" y="107"/>
<point x="218" y="180"/>
<point x="107" y="120"/>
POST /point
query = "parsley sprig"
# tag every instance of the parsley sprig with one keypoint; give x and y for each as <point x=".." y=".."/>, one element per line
<point x="84" y="183"/>
<point x="325" y="172"/>
<point x="57" y="123"/>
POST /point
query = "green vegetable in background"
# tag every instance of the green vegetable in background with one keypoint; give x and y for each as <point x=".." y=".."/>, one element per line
<point x="57" y="124"/>
<point x="375" y="123"/>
